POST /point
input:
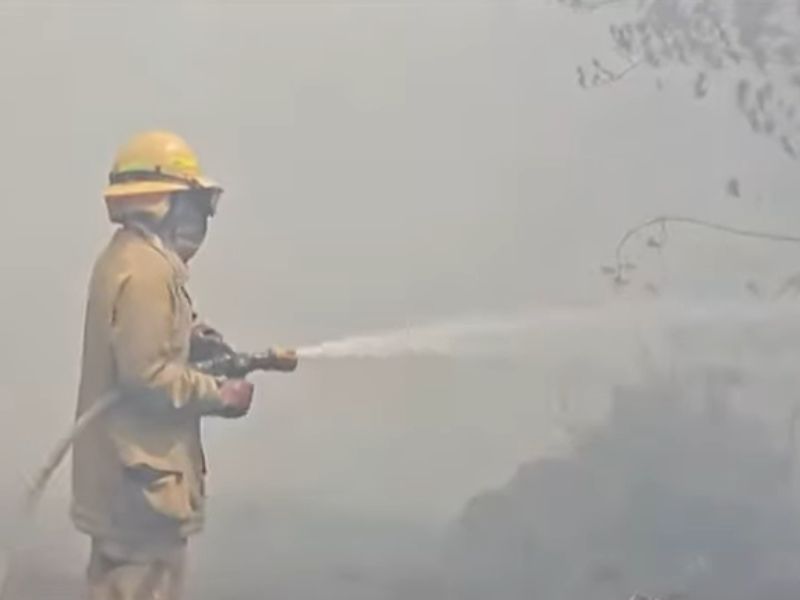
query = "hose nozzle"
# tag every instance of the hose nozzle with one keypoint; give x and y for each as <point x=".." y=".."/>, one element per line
<point x="283" y="359"/>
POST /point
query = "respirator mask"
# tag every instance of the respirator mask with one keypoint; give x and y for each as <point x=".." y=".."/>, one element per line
<point x="185" y="226"/>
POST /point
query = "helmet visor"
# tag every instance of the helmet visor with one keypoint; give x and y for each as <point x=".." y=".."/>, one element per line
<point x="205" y="198"/>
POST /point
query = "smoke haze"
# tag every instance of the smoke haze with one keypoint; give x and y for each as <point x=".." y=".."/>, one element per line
<point x="390" y="166"/>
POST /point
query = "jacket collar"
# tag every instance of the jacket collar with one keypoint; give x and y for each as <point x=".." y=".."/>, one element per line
<point x="179" y="267"/>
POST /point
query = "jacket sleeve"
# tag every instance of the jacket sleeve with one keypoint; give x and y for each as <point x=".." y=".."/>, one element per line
<point x="148" y="358"/>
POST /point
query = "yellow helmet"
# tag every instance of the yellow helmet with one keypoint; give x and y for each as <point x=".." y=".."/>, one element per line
<point x="155" y="162"/>
<point x="150" y="167"/>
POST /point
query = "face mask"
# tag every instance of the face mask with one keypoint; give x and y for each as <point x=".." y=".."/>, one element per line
<point x="189" y="236"/>
<point x="185" y="226"/>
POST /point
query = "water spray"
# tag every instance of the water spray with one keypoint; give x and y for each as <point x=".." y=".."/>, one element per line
<point x="483" y="336"/>
<point x="472" y="337"/>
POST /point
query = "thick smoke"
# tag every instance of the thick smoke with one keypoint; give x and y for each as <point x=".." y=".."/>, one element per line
<point x="678" y="495"/>
<point x="388" y="163"/>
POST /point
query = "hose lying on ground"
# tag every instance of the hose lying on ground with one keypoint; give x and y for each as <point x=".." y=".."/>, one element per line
<point x="36" y="490"/>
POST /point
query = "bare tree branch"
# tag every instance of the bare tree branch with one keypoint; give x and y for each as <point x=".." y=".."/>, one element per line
<point x="620" y="271"/>
<point x="756" y="44"/>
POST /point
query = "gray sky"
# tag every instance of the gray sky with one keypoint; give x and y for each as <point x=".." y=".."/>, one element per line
<point x="385" y="163"/>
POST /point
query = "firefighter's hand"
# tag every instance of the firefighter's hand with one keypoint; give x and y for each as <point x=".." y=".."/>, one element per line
<point x="237" y="396"/>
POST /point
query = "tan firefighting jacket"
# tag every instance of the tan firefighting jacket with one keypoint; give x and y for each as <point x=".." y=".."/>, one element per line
<point x="138" y="470"/>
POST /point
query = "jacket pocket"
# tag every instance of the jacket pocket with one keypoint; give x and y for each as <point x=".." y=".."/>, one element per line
<point x="148" y="497"/>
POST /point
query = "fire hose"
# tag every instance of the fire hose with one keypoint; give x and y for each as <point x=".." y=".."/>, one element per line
<point x="228" y="364"/>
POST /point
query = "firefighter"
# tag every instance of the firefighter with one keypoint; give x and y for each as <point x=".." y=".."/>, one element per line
<point x="138" y="472"/>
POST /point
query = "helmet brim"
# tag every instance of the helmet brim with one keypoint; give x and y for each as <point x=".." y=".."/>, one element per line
<point x="142" y="188"/>
<point x="207" y="184"/>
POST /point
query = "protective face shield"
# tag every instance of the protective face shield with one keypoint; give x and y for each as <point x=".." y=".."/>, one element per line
<point x="186" y="224"/>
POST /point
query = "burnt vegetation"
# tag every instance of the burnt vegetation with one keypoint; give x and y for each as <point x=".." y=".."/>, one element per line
<point x="676" y="496"/>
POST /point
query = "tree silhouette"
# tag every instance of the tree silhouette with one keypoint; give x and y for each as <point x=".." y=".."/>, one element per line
<point x="748" y="48"/>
